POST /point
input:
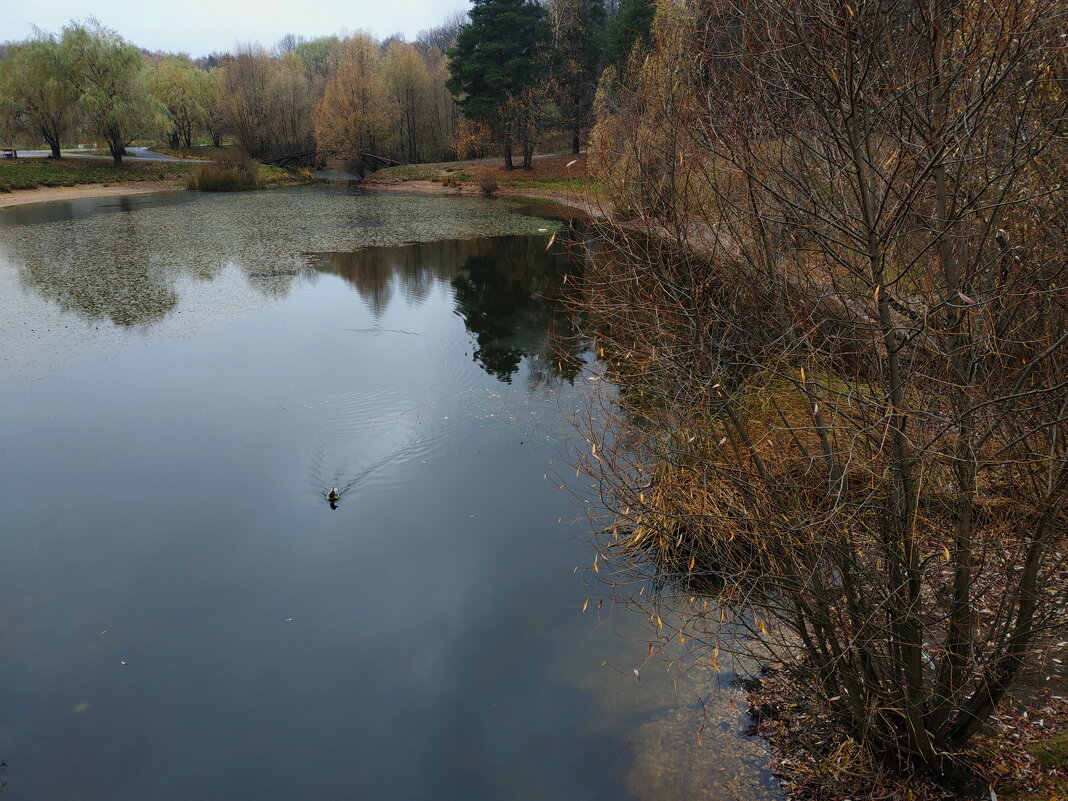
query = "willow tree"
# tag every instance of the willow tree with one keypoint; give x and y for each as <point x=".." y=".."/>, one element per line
<point x="38" y="90"/>
<point x="181" y="89"/>
<point x="110" y="73"/>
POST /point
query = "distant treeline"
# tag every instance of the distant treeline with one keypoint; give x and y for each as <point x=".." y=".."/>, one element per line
<point x="508" y="73"/>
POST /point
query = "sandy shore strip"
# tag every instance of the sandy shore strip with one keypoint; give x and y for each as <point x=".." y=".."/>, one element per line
<point x="46" y="194"/>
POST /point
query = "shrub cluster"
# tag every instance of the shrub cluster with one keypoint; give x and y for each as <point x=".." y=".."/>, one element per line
<point x="227" y="173"/>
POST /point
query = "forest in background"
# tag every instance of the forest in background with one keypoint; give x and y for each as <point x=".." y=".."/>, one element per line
<point x="509" y="72"/>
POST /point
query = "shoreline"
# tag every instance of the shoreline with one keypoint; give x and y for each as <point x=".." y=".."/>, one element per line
<point x="50" y="194"/>
<point x="569" y="199"/>
<point x="47" y="194"/>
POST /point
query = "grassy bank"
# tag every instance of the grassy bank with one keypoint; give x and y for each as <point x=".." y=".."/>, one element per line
<point x="194" y="152"/>
<point x="551" y="174"/>
<point x="1051" y="754"/>
<point x="36" y="172"/>
<point x="39" y="172"/>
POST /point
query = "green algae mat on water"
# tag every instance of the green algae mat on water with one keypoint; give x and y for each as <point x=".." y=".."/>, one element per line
<point x="130" y="261"/>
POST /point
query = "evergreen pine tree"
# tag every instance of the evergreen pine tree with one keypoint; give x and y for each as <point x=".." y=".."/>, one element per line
<point x="578" y="39"/>
<point x="498" y="55"/>
<point x="631" y="25"/>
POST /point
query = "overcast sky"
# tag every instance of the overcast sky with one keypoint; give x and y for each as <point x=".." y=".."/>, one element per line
<point x="199" y="27"/>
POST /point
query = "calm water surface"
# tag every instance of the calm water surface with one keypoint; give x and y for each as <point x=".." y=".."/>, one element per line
<point x="182" y="614"/>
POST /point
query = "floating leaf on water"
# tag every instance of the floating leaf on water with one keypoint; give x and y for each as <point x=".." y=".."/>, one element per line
<point x="585" y="604"/>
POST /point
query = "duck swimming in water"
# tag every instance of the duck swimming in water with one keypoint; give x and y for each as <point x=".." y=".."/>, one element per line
<point x="333" y="495"/>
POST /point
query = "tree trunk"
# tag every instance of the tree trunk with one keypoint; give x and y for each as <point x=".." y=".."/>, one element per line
<point x="576" y="140"/>
<point x="53" y="141"/>
<point x="508" y="155"/>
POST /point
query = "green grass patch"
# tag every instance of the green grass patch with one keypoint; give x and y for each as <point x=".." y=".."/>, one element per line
<point x="577" y="185"/>
<point x="1052" y="754"/>
<point x="194" y="152"/>
<point x="34" y="172"/>
<point x="412" y="172"/>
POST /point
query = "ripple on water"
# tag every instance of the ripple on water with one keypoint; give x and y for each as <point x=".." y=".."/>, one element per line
<point x="359" y="434"/>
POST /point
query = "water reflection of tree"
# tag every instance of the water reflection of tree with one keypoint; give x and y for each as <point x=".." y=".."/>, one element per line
<point x="127" y="287"/>
<point x="130" y="277"/>
<point x="510" y="300"/>
<point x="508" y="291"/>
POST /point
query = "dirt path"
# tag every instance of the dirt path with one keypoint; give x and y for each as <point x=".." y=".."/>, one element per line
<point x="45" y="194"/>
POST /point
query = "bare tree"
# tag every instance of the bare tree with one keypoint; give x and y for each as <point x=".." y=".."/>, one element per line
<point x="833" y="308"/>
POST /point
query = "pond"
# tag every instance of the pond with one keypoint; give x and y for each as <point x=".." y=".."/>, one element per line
<point x="184" y="615"/>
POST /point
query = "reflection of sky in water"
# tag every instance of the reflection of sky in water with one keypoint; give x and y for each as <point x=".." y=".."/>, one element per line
<point x="164" y="457"/>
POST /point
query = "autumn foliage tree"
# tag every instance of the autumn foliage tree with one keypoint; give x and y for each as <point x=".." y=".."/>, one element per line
<point x="266" y="102"/>
<point x="352" y="113"/>
<point x="836" y="316"/>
